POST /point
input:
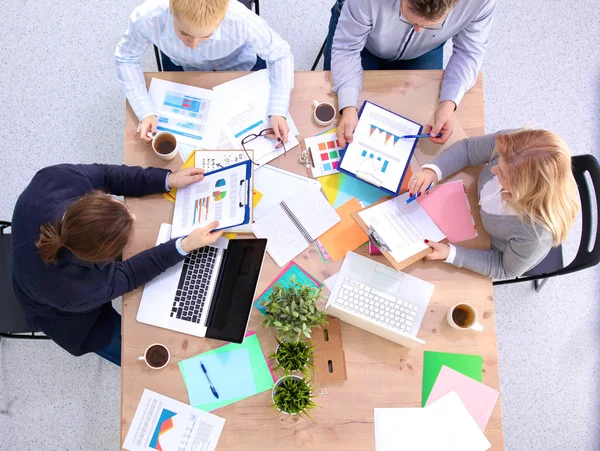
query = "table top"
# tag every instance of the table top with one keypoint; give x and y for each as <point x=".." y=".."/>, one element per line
<point x="379" y="373"/>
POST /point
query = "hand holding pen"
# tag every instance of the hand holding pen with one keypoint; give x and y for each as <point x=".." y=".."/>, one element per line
<point x="422" y="182"/>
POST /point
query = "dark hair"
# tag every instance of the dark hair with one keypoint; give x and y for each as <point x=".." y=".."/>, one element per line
<point x="431" y="9"/>
<point x="95" y="228"/>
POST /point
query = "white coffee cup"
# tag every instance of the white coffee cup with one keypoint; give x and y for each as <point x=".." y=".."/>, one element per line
<point x="165" y="138"/>
<point x="325" y="110"/>
<point x="464" y="316"/>
<point x="154" y="358"/>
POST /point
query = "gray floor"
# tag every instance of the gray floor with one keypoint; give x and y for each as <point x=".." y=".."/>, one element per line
<point x="61" y="103"/>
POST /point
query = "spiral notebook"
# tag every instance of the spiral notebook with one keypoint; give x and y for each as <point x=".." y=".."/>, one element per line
<point x="294" y="224"/>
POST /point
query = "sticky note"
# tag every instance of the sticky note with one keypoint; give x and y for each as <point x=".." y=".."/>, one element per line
<point x="256" y="197"/>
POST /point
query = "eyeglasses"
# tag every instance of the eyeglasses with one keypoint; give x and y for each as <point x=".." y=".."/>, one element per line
<point x="428" y="27"/>
<point x="265" y="134"/>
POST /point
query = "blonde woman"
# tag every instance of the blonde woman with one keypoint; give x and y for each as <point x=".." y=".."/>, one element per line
<point x="527" y="195"/>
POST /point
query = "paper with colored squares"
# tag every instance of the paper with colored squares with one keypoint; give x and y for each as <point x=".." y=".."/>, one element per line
<point x="324" y="151"/>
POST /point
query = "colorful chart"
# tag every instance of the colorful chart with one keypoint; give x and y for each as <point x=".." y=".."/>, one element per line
<point x="219" y="183"/>
<point x="219" y="195"/>
<point x="324" y="153"/>
<point x="378" y="162"/>
<point x="165" y="423"/>
<point x="387" y="134"/>
<point x="201" y="207"/>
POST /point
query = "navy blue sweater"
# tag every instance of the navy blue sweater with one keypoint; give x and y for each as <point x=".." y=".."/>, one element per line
<point x="70" y="300"/>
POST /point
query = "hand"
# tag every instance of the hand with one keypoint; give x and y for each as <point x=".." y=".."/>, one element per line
<point x="421" y="180"/>
<point x="280" y="129"/>
<point x="440" y="250"/>
<point x="201" y="237"/>
<point x="442" y="122"/>
<point x="148" y="125"/>
<point x="347" y="125"/>
<point x="185" y="177"/>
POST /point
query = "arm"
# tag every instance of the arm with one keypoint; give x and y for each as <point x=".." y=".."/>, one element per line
<point x="123" y="180"/>
<point x="350" y="37"/>
<point x="468" y="49"/>
<point x="128" y="55"/>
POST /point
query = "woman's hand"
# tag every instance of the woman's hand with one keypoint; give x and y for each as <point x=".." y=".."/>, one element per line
<point x="184" y="177"/>
<point x="440" y="250"/>
<point x="201" y="237"/>
<point x="421" y="180"/>
<point x="148" y="125"/>
<point x="280" y="129"/>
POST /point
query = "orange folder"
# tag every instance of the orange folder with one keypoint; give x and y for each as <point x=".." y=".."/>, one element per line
<point x="346" y="235"/>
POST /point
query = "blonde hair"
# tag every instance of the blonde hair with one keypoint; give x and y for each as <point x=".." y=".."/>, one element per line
<point x="540" y="179"/>
<point x="204" y="15"/>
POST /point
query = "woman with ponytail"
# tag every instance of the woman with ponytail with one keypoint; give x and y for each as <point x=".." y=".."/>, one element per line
<point x="68" y="237"/>
<point x="527" y="194"/>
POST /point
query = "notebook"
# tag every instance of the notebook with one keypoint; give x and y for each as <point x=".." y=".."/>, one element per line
<point x="295" y="223"/>
<point x="448" y="206"/>
<point x="346" y="235"/>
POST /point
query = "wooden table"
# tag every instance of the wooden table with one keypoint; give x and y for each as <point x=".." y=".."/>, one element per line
<point x="380" y="373"/>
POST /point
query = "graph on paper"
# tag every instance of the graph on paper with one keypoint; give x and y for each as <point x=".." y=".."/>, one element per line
<point x="374" y="161"/>
<point x="324" y="153"/>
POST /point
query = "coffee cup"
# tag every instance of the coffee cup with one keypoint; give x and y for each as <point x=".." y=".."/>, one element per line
<point x="324" y="113"/>
<point x="164" y="145"/>
<point x="156" y="356"/>
<point x="464" y="316"/>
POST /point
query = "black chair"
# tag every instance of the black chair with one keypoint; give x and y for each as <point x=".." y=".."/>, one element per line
<point x="314" y="66"/>
<point x="252" y="5"/>
<point x="12" y="319"/>
<point x="588" y="254"/>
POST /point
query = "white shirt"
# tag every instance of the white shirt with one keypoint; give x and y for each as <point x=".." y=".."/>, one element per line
<point x="233" y="46"/>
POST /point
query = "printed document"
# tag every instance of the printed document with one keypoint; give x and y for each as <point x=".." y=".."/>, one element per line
<point x="169" y="425"/>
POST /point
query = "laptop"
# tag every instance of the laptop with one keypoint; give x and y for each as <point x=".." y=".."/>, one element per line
<point x="210" y="293"/>
<point x="380" y="300"/>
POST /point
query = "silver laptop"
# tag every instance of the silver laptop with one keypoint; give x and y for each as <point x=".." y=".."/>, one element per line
<point x="380" y="299"/>
<point x="210" y="293"/>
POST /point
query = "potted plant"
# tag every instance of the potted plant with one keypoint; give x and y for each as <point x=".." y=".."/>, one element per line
<point x="294" y="356"/>
<point x="293" y="395"/>
<point x="293" y="311"/>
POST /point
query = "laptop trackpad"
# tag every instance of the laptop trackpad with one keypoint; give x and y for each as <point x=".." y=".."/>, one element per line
<point x="387" y="279"/>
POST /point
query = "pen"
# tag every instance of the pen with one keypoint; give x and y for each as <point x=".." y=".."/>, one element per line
<point x="420" y="136"/>
<point x="212" y="387"/>
<point x="411" y="198"/>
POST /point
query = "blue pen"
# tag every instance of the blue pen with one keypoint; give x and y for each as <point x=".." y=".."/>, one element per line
<point x="413" y="197"/>
<point x="212" y="387"/>
<point x="419" y="136"/>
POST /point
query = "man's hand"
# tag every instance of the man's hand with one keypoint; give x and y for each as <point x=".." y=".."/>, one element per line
<point x="442" y="122"/>
<point x="201" y="237"/>
<point x="347" y="125"/>
<point x="440" y="250"/>
<point x="184" y="177"/>
<point x="280" y="129"/>
<point x="148" y="125"/>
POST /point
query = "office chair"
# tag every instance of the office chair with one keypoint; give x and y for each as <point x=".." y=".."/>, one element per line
<point x="12" y="319"/>
<point x="588" y="254"/>
<point x="314" y="66"/>
<point x="252" y="5"/>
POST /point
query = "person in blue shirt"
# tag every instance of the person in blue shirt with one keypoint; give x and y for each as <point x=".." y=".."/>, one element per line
<point x="68" y="235"/>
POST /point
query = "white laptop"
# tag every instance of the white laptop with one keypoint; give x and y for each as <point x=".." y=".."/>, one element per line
<point x="380" y="300"/>
<point x="210" y="293"/>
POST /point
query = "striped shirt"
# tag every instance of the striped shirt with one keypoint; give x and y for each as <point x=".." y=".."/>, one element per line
<point x="233" y="46"/>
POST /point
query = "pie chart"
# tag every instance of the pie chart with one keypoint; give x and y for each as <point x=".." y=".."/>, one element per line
<point x="219" y="194"/>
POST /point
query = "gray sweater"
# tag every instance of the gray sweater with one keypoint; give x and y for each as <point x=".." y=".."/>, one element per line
<point x="516" y="246"/>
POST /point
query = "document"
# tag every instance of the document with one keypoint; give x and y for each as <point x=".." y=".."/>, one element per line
<point x="211" y="160"/>
<point x="187" y="112"/>
<point x="378" y="154"/>
<point x="403" y="228"/>
<point x="243" y="111"/>
<point x="169" y="425"/>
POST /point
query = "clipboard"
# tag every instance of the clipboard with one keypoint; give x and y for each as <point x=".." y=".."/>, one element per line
<point x="369" y="177"/>
<point x="376" y="240"/>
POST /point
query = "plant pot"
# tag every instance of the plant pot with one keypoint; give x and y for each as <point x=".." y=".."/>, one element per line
<point x="297" y="369"/>
<point x="293" y="376"/>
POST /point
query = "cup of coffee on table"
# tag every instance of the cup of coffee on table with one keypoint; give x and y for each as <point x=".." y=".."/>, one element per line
<point x="464" y="317"/>
<point x="156" y="356"/>
<point x="324" y="113"/>
<point x="164" y="145"/>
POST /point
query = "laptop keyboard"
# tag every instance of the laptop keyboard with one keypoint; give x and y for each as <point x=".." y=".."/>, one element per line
<point x="376" y="305"/>
<point x="190" y="296"/>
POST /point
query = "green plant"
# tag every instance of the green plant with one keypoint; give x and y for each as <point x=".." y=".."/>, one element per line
<point x="294" y="356"/>
<point x="293" y="395"/>
<point x="293" y="311"/>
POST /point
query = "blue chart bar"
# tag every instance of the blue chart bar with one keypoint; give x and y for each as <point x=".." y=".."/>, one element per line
<point x="177" y="132"/>
<point x="247" y="129"/>
<point x="385" y="164"/>
<point x="364" y="153"/>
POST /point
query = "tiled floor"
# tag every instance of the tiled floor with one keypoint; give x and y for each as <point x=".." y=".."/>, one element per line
<point x="61" y="103"/>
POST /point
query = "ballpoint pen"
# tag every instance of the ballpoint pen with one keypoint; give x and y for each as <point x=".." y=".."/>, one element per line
<point x="419" y="136"/>
<point x="413" y="197"/>
<point x="212" y="387"/>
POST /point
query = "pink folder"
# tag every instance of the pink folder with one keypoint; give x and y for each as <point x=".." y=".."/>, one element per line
<point x="479" y="399"/>
<point x="447" y="205"/>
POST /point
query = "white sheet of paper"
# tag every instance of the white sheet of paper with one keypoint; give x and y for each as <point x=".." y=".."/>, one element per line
<point x="186" y="111"/>
<point x="243" y="111"/>
<point x="403" y="429"/>
<point x="403" y="228"/>
<point x="185" y="428"/>
<point x="377" y="150"/>
<point x="211" y="160"/>
<point x="330" y="281"/>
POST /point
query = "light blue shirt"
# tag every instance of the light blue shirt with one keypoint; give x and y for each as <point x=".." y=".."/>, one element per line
<point x="234" y="45"/>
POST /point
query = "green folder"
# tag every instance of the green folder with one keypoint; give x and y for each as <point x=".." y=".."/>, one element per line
<point x="263" y="377"/>
<point x="469" y="365"/>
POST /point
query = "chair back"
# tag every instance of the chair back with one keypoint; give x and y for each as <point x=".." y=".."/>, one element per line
<point x="252" y="5"/>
